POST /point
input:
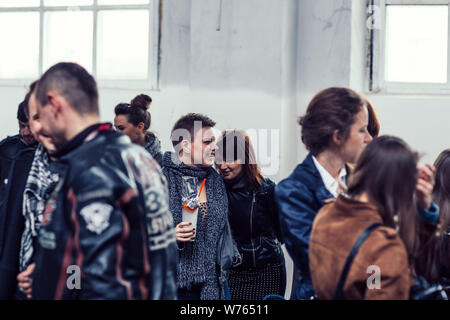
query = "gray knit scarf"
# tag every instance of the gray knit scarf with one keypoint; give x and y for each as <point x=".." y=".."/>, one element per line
<point x="153" y="146"/>
<point x="197" y="260"/>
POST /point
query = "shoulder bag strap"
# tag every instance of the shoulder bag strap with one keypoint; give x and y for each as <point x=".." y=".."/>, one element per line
<point x="351" y="256"/>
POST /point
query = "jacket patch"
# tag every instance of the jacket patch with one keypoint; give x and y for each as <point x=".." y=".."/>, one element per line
<point x="47" y="239"/>
<point x="97" y="216"/>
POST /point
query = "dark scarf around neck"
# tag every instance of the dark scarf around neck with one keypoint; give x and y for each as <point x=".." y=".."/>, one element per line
<point x="197" y="261"/>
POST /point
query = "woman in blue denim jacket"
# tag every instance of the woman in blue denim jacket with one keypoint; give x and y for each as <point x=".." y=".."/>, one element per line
<point x="335" y="131"/>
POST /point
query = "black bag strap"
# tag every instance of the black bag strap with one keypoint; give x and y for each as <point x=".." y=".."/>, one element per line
<point x="351" y="256"/>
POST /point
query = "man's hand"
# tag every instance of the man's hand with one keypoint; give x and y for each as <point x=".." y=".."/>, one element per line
<point x="25" y="278"/>
<point x="184" y="232"/>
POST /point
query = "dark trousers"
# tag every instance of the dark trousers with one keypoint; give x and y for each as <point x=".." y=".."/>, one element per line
<point x="192" y="293"/>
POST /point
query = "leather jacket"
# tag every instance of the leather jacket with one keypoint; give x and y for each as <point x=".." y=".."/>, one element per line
<point x="15" y="162"/>
<point x="254" y="223"/>
<point x="107" y="224"/>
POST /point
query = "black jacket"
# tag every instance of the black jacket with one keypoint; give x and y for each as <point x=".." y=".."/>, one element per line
<point x="108" y="220"/>
<point x="254" y="224"/>
<point x="15" y="162"/>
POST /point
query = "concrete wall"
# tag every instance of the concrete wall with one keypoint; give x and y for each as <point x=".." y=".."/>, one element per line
<point x="256" y="64"/>
<point x="221" y="58"/>
<point x="324" y="49"/>
<point x="422" y="121"/>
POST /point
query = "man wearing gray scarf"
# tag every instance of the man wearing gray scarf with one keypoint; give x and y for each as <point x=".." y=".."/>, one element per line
<point x="195" y="187"/>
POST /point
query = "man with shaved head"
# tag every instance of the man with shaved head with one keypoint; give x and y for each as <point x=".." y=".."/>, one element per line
<point x="107" y="232"/>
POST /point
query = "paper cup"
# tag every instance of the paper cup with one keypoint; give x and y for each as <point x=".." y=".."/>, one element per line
<point x="190" y="216"/>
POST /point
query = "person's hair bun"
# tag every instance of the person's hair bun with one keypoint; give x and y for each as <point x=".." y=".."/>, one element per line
<point x="142" y="101"/>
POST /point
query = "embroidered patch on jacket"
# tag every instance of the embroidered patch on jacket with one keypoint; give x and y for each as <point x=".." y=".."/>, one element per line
<point x="97" y="216"/>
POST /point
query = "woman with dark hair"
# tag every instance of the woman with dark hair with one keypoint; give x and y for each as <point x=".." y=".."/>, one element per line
<point x="334" y="130"/>
<point x="388" y="193"/>
<point x="134" y="120"/>
<point x="253" y="219"/>
<point x="441" y="195"/>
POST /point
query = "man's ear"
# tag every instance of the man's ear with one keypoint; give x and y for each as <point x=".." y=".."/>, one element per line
<point x="186" y="146"/>
<point x="56" y="102"/>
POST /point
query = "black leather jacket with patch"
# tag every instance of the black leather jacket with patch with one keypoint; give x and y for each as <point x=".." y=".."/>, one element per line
<point x="107" y="232"/>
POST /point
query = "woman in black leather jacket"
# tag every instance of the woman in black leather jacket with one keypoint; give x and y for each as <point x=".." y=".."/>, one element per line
<point x="253" y="220"/>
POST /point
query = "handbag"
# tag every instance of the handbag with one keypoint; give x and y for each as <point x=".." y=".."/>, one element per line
<point x="261" y="252"/>
<point x="228" y="256"/>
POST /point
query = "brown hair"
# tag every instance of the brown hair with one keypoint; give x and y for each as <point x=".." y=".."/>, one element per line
<point x="387" y="172"/>
<point x="136" y="111"/>
<point x="235" y="145"/>
<point x="373" y="126"/>
<point x="142" y="101"/>
<point x="441" y="192"/>
<point x="441" y="195"/>
<point x="330" y="110"/>
<point x="187" y="123"/>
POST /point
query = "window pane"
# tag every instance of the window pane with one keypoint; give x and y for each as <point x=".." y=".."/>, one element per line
<point x="19" y="54"/>
<point x="123" y="47"/>
<point x="103" y="2"/>
<point x="68" y="2"/>
<point x="416" y="43"/>
<point x="68" y="37"/>
<point x="19" y="3"/>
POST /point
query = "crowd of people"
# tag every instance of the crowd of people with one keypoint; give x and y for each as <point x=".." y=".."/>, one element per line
<point x="91" y="210"/>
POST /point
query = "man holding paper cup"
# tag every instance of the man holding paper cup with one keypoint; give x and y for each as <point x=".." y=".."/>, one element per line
<point x="198" y="203"/>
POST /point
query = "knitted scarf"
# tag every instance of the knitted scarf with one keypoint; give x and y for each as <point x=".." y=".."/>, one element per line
<point x="39" y="186"/>
<point x="197" y="260"/>
<point x="153" y="146"/>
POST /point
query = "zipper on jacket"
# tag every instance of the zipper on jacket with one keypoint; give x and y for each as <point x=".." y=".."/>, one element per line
<point x="251" y="229"/>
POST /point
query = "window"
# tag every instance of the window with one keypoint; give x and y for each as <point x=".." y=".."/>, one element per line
<point x="115" y="40"/>
<point x="409" y="46"/>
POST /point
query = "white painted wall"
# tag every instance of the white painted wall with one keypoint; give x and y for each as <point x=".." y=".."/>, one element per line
<point x="231" y="71"/>
<point x="261" y="68"/>
<point x="256" y="64"/>
<point x="422" y="121"/>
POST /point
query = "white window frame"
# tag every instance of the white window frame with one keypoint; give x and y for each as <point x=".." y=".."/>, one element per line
<point x="377" y="46"/>
<point x="151" y="83"/>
